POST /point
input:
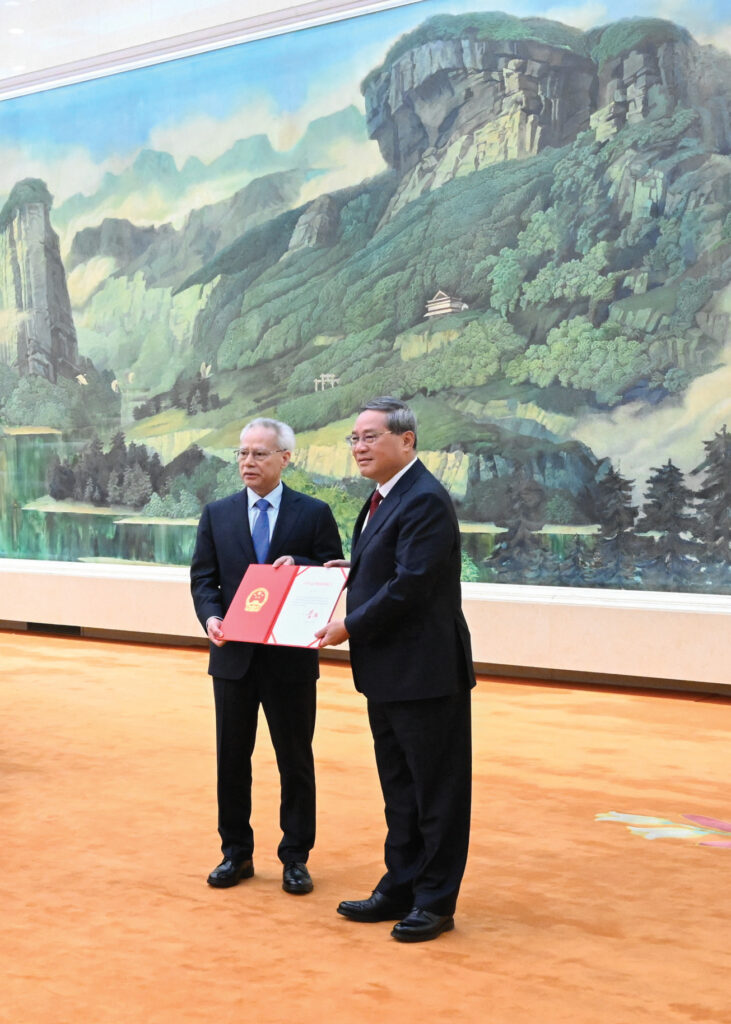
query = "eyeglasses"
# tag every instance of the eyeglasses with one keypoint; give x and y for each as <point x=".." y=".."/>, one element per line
<point x="369" y="438"/>
<point x="257" y="454"/>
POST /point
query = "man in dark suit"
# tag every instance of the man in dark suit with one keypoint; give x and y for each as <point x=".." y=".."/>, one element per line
<point x="266" y="522"/>
<point x="411" y="657"/>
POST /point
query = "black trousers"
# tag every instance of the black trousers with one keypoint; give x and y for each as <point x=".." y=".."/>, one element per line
<point x="424" y="758"/>
<point x="289" y="707"/>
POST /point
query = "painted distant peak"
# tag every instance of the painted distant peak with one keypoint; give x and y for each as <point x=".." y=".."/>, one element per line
<point x="154" y="162"/>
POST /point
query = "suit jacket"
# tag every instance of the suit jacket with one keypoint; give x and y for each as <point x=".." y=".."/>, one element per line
<point x="305" y="529"/>
<point x="408" y="636"/>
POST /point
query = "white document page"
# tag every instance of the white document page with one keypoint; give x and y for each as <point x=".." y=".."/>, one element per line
<point x="308" y="606"/>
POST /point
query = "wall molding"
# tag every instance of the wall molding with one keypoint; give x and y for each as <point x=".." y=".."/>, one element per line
<point x="259" y="26"/>
<point x="595" y="597"/>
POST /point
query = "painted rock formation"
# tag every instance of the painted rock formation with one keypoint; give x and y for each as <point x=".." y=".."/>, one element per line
<point x="37" y="334"/>
<point x="444" y="107"/>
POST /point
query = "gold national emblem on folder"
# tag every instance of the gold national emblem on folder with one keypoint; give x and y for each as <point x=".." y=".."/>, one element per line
<point x="257" y="599"/>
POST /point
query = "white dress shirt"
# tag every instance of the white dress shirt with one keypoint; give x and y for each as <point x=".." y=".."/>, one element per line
<point x="275" y="500"/>
<point x="384" y="489"/>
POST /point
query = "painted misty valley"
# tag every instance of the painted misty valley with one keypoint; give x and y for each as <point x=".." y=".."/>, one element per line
<point x="527" y="235"/>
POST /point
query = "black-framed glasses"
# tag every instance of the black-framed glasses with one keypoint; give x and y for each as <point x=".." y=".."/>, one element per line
<point x="370" y="437"/>
<point x="258" y="454"/>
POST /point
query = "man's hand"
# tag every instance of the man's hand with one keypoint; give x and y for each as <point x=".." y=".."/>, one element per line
<point x="337" y="563"/>
<point x="213" y="628"/>
<point x="334" y="633"/>
<point x="282" y="560"/>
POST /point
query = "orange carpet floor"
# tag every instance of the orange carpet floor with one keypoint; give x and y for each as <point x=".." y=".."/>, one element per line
<point x="109" y="830"/>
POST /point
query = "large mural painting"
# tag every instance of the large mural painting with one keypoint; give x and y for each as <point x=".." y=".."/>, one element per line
<point x="520" y="224"/>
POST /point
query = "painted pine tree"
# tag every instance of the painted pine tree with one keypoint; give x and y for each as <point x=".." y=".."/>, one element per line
<point x="576" y="569"/>
<point x="667" y="519"/>
<point x="617" y="546"/>
<point x="519" y="555"/>
<point x="713" y="503"/>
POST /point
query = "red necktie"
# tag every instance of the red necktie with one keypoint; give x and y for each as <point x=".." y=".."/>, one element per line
<point x="376" y="499"/>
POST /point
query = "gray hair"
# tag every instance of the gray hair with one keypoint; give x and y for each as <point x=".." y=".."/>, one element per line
<point x="399" y="417"/>
<point x="284" y="433"/>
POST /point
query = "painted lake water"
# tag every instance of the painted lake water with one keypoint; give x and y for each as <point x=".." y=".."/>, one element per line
<point x="33" y="525"/>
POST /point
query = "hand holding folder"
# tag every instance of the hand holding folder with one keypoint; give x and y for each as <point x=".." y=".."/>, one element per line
<point x="283" y="606"/>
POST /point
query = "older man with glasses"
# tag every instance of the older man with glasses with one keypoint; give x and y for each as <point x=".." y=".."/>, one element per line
<point x="265" y="522"/>
<point x="411" y="657"/>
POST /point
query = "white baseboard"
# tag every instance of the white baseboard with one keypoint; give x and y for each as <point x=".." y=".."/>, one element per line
<point x="587" y="633"/>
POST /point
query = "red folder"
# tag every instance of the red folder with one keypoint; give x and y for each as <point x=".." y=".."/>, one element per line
<point x="253" y="613"/>
<point x="256" y="604"/>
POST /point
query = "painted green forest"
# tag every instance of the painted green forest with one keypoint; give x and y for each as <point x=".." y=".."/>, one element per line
<point x="538" y="262"/>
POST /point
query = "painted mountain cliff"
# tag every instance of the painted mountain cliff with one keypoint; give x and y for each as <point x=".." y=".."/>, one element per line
<point x="537" y="258"/>
<point x="38" y="335"/>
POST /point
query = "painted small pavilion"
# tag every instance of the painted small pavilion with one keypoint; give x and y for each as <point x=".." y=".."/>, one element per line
<point x="442" y="304"/>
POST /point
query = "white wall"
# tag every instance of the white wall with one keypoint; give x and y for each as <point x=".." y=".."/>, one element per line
<point x="680" y="639"/>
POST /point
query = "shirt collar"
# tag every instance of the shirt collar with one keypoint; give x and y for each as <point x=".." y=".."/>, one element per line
<point x="389" y="484"/>
<point x="274" y="497"/>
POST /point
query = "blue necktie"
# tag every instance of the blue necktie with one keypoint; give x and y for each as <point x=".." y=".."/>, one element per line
<point x="260" y="533"/>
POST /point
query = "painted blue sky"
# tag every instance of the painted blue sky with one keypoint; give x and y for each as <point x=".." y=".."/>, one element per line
<point x="202" y="104"/>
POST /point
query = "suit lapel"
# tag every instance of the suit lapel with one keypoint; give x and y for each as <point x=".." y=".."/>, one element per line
<point x="358" y="527"/>
<point x="243" y="531"/>
<point x="286" y="518"/>
<point x="386" y="509"/>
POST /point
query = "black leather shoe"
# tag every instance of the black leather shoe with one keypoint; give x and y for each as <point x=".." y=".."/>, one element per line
<point x="378" y="908"/>
<point x="230" y="873"/>
<point x="421" y="925"/>
<point x="296" y="878"/>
